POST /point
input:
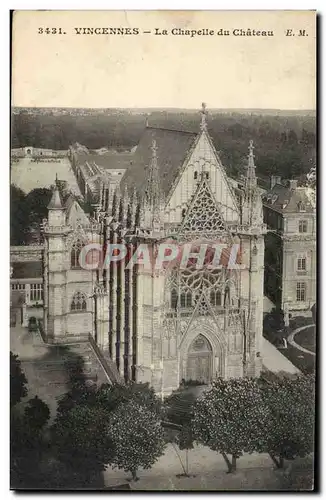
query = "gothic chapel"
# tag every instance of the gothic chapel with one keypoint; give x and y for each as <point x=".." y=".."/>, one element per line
<point x="162" y="326"/>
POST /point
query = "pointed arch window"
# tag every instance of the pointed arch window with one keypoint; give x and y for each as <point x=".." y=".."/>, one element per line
<point x="195" y="175"/>
<point x="75" y="252"/>
<point x="186" y="300"/>
<point x="174" y="299"/>
<point x="216" y="298"/>
<point x="78" y="302"/>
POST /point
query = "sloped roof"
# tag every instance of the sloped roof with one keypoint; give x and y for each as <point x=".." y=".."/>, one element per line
<point x="55" y="202"/>
<point x="172" y="149"/>
<point x="23" y="270"/>
<point x="284" y="199"/>
<point x="107" y="161"/>
<point x="74" y="212"/>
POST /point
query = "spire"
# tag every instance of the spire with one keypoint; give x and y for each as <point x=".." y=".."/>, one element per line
<point x="116" y="202"/>
<point x="102" y="194"/>
<point x="203" y="124"/>
<point x="153" y="191"/>
<point x="55" y="203"/>
<point x="123" y="208"/>
<point x="251" y="180"/>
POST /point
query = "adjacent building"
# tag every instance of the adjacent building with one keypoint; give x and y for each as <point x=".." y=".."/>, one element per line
<point x="290" y="246"/>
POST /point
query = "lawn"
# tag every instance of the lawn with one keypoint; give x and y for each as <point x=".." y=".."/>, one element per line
<point x="304" y="361"/>
<point x="28" y="175"/>
<point x="307" y="338"/>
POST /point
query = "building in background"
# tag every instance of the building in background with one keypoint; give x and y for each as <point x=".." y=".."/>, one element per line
<point x="290" y="246"/>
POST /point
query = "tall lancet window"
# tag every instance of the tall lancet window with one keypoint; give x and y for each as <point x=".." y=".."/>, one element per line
<point x="78" y="302"/>
<point x="75" y="252"/>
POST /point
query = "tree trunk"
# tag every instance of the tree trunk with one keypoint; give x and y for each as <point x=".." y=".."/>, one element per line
<point x="234" y="463"/>
<point x="227" y="461"/>
<point x="278" y="462"/>
<point x="134" y="475"/>
<point x="187" y="463"/>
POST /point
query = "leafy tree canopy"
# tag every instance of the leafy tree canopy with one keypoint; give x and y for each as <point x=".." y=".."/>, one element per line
<point x="137" y="435"/>
<point x="18" y="381"/>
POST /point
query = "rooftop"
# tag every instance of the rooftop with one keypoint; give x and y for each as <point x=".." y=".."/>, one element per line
<point x="287" y="199"/>
<point x="25" y="270"/>
<point x="172" y="149"/>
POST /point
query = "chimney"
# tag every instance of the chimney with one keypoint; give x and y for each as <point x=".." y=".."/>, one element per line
<point x="293" y="184"/>
<point x="275" y="179"/>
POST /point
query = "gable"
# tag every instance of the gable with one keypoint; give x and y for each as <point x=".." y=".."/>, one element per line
<point x="203" y="214"/>
<point x="76" y="215"/>
<point x="203" y="158"/>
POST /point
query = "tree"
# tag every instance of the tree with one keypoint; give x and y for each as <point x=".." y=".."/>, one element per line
<point x="230" y="418"/>
<point x="137" y="437"/>
<point x="37" y="202"/>
<point x="81" y="441"/>
<point x="290" y="424"/>
<point x="37" y="413"/>
<point x="19" y="216"/>
<point x="108" y="397"/>
<point x="18" y="381"/>
<point x="27" y="443"/>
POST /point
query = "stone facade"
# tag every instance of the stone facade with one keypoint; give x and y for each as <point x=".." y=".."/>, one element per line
<point x="163" y="325"/>
<point x="290" y="258"/>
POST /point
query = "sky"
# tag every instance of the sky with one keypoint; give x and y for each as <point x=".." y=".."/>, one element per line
<point x="148" y="70"/>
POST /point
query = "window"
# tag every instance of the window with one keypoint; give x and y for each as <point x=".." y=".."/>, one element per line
<point x="17" y="286"/>
<point x="75" y="252"/>
<point x="301" y="264"/>
<point x="36" y="292"/>
<point x="185" y="300"/>
<point x="216" y="298"/>
<point x="195" y="174"/>
<point x="303" y="226"/>
<point x="78" y="302"/>
<point x="174" y="299"/>
<point x="301" y="207"/>
<point x="207" y="175"/>
<point x="183" y="212"/>
<point x="301" y="291"/>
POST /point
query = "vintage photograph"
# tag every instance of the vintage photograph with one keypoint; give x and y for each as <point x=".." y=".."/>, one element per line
<point x="163" y="251"/>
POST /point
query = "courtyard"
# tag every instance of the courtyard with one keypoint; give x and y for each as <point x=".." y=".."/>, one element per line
<point x="28" y="175"/>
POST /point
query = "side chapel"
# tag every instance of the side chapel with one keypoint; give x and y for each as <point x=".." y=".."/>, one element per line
<point x="162" y="327"/>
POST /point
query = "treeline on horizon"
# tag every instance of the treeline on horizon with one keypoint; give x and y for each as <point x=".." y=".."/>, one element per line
<point x="284" y="145"/>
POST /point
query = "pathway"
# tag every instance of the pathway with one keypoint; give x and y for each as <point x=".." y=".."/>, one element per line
<point x="207" y="469"/>
<point x="44" y="364"/>
<point x="291" y="340"/>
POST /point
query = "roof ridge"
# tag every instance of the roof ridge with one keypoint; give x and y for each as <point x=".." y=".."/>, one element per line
<point x="172" y="130"/>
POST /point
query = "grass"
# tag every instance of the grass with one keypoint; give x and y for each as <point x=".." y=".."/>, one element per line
<point x="303" y="361"/>
<point x="307" y="339"/>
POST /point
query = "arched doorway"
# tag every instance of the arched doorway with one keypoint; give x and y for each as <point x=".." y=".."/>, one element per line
<point x="200" y="360"/>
